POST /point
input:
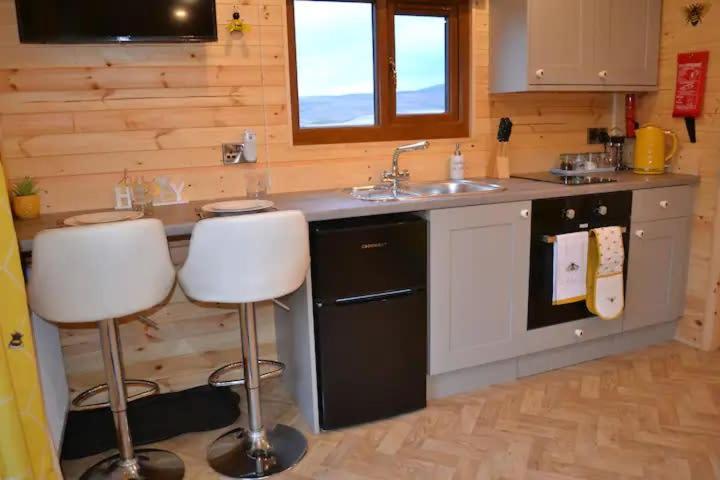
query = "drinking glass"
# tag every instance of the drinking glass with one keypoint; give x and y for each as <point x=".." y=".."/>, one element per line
<point x="256" y="184"/>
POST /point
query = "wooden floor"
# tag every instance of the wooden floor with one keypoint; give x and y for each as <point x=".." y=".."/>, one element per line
<point x="652" y="414"/>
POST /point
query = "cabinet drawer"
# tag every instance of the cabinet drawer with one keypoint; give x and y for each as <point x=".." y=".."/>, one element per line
<point x="594" y="327"/>
<point x="662" y="203"/>
<point x="555" y="336"/>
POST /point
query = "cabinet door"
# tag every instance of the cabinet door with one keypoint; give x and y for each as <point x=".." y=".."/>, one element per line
<point x="479" y="266"/>
<point x="657" y="272"/>
<point x="560" y="42"/>
<point x="627" y="42"/>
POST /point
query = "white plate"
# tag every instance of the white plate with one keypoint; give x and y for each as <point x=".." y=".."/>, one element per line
<point x="237" y="206"/>
<point x="102" y="217"/>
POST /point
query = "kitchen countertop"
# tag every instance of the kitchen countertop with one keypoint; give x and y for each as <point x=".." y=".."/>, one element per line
<point x="337" y="203"/>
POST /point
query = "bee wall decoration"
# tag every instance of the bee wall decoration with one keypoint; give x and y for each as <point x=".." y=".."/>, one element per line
<point x="695" y="12"/>
<point x="237" y="24"/>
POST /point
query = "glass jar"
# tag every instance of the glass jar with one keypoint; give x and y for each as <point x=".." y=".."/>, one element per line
<point x="566" y="161"/>
<point x="579" y="161"/>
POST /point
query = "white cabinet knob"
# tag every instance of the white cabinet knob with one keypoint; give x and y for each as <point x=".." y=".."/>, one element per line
<point x="603" y="74"/>
<point x="640" y="233"/>
<point x="525" y="213"/>
<point x="539" y="73"/>
<point x="579" y="332"/>
<point x="664" y="203"/>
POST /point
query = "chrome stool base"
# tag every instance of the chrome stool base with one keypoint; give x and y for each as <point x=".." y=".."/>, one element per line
<point x="230" y="454"/>
<point x="151" y="388"/>
<point x="149" y="464"/>
<point x="271" y="369"/>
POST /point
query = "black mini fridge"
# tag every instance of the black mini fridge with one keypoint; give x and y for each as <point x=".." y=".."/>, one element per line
<point x="369" y="280"/>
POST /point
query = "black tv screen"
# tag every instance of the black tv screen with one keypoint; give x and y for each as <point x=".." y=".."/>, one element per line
<point x="109" y="21"/>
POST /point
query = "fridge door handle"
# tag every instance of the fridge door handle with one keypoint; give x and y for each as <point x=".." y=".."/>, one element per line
<point x="374" y="296"/>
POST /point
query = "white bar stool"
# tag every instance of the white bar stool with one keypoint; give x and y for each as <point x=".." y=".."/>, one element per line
<point x="98" y="273"/>
<point x="242" y="260"/>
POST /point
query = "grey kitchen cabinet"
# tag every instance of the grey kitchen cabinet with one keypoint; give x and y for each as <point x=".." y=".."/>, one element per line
<point x="627" y="44"/>
<point x="574" y="45"/>
<point x="479" y="267"/>
<point x="657" y="272"/>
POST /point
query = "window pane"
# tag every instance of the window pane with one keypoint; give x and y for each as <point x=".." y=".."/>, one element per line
<point x="421" y="59"/>
<point x="335" y="63"/>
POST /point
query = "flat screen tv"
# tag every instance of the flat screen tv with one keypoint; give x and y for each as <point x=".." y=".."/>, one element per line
<point x="116" y="21"/>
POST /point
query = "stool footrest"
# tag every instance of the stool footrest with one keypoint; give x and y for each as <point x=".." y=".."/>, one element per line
<point x="151" y="388"/>
<point x="272" y="369"/>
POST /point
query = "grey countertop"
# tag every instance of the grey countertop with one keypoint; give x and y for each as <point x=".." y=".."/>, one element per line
<point x="332" y="204"/>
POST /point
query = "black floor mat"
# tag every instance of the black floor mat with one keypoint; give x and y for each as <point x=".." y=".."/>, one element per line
<point x="152" y="419"/>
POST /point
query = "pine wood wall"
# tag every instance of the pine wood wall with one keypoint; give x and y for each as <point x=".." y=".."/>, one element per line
<point x="701" y="325"/>
<point x="76" y="116"/>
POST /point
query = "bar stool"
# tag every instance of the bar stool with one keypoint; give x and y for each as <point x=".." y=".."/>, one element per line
<point x="98" y="273"/>
<point x="242" y="260"/>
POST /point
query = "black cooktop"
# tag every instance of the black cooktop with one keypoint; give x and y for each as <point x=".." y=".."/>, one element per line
<point x="565" y="180"/>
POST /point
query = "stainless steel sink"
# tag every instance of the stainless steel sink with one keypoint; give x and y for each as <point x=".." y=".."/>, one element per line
<point x="451" y="187"/>
<point x="408" y="191"/>
<point x="381" y="193"/>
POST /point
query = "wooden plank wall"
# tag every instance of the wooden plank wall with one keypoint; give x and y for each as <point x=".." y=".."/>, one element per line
<point x="701" y="324"/>
<point x="76" y="116"/>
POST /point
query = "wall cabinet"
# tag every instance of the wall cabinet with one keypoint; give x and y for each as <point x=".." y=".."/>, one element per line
<point x="580" y="45"/>
<point x="479" y="267"/>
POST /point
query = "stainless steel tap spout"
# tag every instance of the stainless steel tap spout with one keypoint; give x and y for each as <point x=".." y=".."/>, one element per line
<point x="413" y="147"/>
<point x="394" y="175"/>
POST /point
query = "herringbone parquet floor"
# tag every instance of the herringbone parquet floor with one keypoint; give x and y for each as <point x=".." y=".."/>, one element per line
<point x="652" y="414"/>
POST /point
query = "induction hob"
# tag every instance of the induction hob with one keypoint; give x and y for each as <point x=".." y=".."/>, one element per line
<point x="566" y="180"/>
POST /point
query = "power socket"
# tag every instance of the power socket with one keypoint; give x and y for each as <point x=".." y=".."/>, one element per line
<point x="596" y="136"/>
<point x="232" y="153"/>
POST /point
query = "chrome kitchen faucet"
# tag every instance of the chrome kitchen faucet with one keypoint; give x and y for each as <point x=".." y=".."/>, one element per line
<point x="394" y="176"/>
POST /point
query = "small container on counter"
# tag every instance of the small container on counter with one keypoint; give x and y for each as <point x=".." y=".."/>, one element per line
<point x="457" y="164"/>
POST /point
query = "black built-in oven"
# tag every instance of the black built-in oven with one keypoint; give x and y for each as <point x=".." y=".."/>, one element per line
<point x="555" y="216"/>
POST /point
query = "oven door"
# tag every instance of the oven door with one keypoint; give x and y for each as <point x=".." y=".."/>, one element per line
<point x="549" y="219"/>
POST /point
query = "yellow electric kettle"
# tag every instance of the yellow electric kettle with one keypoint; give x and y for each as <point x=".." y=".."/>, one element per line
<point x="650" y="157"/>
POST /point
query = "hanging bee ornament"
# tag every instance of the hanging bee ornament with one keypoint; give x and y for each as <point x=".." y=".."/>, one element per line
<point x="237" y="24"/>
<point x="695" y="12"/>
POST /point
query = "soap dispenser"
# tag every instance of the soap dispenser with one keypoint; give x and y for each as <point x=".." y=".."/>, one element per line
<point x="457" y="164"/>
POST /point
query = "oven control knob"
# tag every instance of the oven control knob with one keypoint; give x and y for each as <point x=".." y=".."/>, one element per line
<point x="569" y="213"/>
<point x="601" y="210"/>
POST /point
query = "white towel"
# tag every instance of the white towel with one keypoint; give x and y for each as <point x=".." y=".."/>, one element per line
<point x="570" y="268"/>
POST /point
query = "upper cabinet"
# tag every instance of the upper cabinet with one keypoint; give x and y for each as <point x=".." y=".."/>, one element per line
<point x="574" y="45"/>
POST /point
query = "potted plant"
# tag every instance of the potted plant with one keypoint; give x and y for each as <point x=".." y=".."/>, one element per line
<point x="26" y="201"/>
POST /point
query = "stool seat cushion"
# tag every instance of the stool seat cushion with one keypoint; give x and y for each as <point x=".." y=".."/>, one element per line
<point x="98" y="272"/>
<point x="246" y="258"/>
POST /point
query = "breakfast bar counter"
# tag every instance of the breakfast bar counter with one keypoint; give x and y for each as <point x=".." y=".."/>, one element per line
<point x="337" y="203"/>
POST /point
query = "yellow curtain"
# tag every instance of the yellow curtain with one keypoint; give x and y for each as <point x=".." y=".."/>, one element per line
<point x="26" y="448"/>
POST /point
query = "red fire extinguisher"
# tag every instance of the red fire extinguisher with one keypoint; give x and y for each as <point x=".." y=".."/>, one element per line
<point x="690" y="88"/>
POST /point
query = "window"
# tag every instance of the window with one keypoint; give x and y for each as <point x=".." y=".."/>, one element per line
<point x="374" y="70"/>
